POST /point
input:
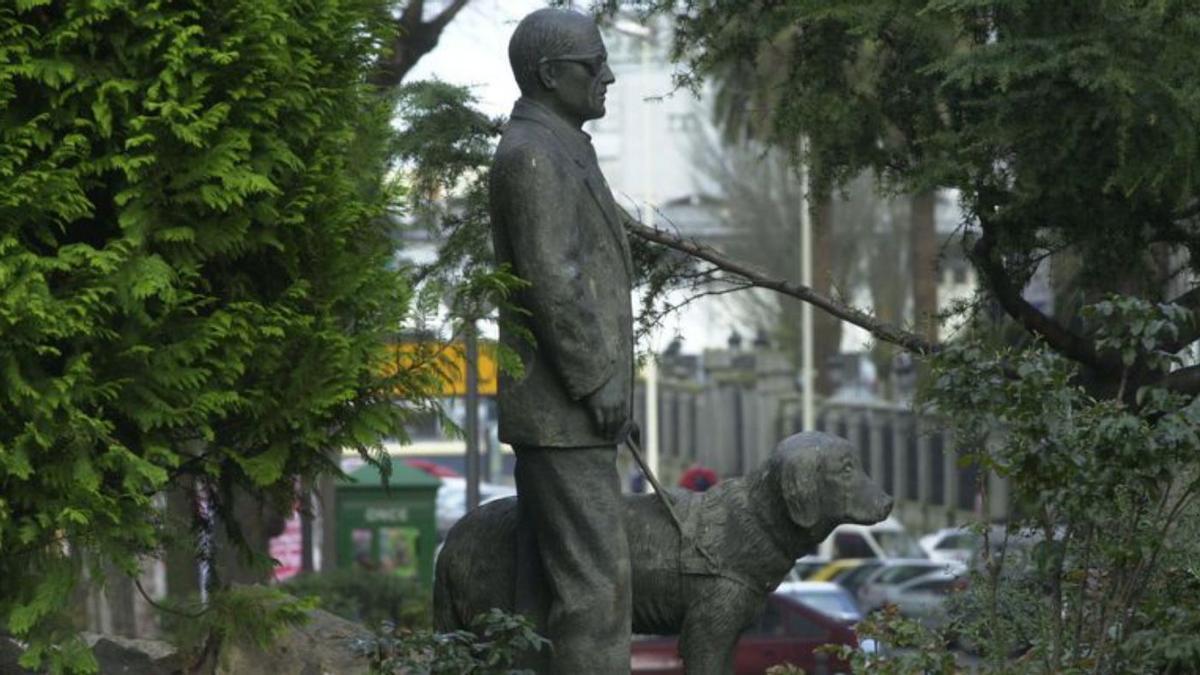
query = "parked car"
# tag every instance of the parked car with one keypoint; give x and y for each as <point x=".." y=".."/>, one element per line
<point x="828" y="598"/>
<point x="786" y="631"/>
<point x="849" y="573"/>
<point x="452" y="501"/>
<point x="835" y="568"/>
<point x="922" y="598"/>
<point x="873" y="592"/>
<point x="956" y="544"/>
<point x="852" y="578"/>
<point x="805" y="567"/>
<point x="885" y="539"/>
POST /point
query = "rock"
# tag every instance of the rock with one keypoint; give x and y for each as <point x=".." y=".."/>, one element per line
<point x="127" y="656"/>
<point x="320" y="647"/>
<point x="115" y="656"/>
<point x="10" y="651"/>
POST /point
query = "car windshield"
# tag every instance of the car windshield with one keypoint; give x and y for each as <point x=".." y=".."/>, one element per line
<point x="854" y="577"/>
<point x="898" y="573"/>
<point x="836" y="604"/>
<point x="804" y="568"/>
<point x="899" y="544"/>
<point x="958" y="541"/>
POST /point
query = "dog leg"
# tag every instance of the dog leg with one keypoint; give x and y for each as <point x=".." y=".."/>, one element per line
<point x="705" y="653"/>
<point x="709" y="636"/>
<point x="715" y="618"/>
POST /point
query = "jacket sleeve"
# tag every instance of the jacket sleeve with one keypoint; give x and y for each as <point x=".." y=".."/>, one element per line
<point x="569" y="317"/>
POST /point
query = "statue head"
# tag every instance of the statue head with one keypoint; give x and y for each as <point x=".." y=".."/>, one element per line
<point x="559" y="60"/>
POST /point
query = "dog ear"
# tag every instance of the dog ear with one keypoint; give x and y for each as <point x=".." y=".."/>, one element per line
<point x="800" y="479"/>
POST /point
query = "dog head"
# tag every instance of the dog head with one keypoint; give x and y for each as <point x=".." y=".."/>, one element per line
<point x="823" y="485"/>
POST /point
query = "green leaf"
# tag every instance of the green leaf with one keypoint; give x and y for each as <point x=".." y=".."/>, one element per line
<point x="267" y="467"/>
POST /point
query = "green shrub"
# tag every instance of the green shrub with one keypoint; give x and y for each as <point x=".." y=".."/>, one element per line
<point x="492" y="647"/>
<point x="367" y="597"/>
<point x="196" y="272"/>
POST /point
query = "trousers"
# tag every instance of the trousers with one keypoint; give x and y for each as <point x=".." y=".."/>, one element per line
<point x="573" y="573"/>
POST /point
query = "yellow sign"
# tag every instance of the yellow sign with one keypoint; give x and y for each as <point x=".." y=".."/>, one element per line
<point x="448" y="363"/>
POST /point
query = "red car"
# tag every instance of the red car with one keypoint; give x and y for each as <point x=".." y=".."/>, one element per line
<point x="787" y="631"/>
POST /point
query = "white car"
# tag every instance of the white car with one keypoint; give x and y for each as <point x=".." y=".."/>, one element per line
<point x="885" y="539"/>
<point x="957" y="544"/>
<point x="452" y="500"/>
<point x="880" y="587"/>
<point x="826" y="597"/>
<point x="922" y="598"/>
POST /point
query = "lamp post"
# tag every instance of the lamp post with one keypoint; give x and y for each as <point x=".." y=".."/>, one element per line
<point x="808" y="408"/>
<point x="645" y="35"/>
<point x="471" y="359"/>
<point x="468" y="310"/>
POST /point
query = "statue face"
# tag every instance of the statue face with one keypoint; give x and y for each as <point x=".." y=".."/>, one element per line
<point x="581" y="78"/>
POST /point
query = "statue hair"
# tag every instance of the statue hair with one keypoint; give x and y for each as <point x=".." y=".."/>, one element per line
<point x="545" y="32"/>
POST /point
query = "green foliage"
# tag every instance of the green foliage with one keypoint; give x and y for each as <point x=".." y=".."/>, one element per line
<point x="1137" y="330"/>
<point x="496" y="640"/>
<point x="1061" y="123"/>
<point x="366" y="597"/>
<point x="254" y="616"/>
<point x="1102" y="488"/>
<point x="445" y="146"/>
<point x="195" y="269"/>
<point x="904" y="647"/>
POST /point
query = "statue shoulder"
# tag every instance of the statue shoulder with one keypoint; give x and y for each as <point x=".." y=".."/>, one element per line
<point x="527" y="159"/>
<point x="524" y="142"/>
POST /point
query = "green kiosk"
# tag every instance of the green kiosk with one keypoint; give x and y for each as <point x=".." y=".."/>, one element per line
<point x="389" y="529"/>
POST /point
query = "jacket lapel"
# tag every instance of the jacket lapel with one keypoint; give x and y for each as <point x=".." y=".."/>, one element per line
<point x="604" y="200"/>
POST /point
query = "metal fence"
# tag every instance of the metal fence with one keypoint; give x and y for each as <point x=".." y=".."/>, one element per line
<point x="731" y="424"/>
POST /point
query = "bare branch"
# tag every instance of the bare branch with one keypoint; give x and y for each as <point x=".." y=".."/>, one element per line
<point x="669" y="307"/>
<point x="1058" y="337"/>
<point x="753" y="277"/>
<point x="1190" y="333"/>
<point x="166" y="608"/>
<point x="448" y="14"/>
<point x="655" y="318"/>
<point x="1184" y="380"/>
<point x="413" y="12"/>
<point x="414" y="38"/>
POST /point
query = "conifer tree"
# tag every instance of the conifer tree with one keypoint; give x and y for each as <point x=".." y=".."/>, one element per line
<point x="196" y="271"/>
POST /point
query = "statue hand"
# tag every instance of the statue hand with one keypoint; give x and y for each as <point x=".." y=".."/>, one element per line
<point x="608" y="408"/>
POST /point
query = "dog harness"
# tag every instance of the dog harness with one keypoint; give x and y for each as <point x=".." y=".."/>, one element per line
<point x="699" y="521"/>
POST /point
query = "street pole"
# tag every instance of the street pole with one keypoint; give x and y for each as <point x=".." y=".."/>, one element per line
<point x="809" y="416"/>
<point x="650" y="438"/>
<point x="472" y="413"/>
<point x="651" y="372"/>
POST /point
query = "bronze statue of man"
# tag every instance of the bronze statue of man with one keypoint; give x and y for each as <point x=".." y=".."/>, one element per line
<point x="556" y="225"/>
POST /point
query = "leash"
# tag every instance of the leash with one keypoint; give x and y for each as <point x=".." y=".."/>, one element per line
<point x="630" y="431"/>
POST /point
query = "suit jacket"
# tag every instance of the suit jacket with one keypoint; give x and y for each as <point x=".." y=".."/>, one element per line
<point x="555" y="223"/>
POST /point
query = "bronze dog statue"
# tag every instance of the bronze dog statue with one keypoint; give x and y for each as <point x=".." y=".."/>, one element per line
<point x="740" y="540"/>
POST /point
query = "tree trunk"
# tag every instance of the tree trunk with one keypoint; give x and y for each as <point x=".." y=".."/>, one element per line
<point x="258" y="521"/>
<point x="827" y="329"/>
<point x="923" y="248"/>
<point x="415" y="37"/>
<point x="183" y="579"/>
